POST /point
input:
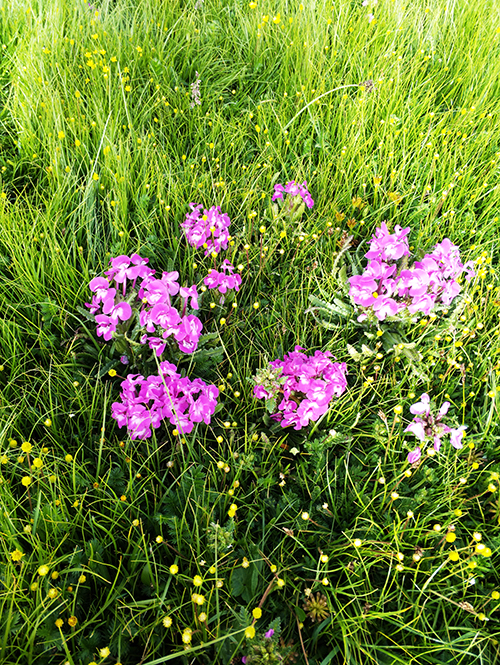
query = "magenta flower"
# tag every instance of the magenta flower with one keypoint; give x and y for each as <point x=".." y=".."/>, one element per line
<point x="188" y="333"/>
<point x="165" y="316"/>
<point x="269" y="633"/>
<point x="207" y="228"/>
<point x="303" y="387"/>
<point x="387" y="246"/>
<point x="106" y="326"/>
<point x="192" y="293"/>
<point x="418" y="288"/>
<point x="169" y="279"/>
<point x="145" y="403"/>
<point x="121" y="311"/>
<point x="293" y="190"/>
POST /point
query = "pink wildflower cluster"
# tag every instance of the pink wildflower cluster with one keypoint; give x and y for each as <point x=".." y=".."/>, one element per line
<point x="224" y="280"/>
<point x="145" y="402"/>
<point x="429" y="427"/>
<point x="114" y="306"/>
<point x="387" y="291"/>
<point x="158" y="315"/>
<point x="208" y="229"/>
<point x="305" y="386"/>
<point x="293" y="189"/>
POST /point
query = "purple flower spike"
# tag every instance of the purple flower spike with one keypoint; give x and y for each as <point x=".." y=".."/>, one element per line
<point x="269" y="633"/>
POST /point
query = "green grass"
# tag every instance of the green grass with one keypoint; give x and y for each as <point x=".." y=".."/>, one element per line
<point x="100" y="154"/>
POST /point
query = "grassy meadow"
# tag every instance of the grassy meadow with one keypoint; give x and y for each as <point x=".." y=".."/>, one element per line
<point x="116" y="550"/>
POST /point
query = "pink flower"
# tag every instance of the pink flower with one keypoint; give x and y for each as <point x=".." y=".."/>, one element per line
<point x="414" y="456"/>
<point x="456" y="436"/>
<point x="423" y="406"/>
<point x="106" y="326"/>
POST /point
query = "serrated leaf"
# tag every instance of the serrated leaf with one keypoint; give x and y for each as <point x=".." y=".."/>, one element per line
<point x="353" y="353"/>
<point x="105" y="369"/>
<point x="86" y="314"/>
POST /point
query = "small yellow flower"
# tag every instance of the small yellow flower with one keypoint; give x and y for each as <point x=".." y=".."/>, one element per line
<point x="305" y="516"/>
<point x="82" y="579"/>
<point x="197" y="580"/>
<point x="198" y="598"/>
<point x="72" y="621"/>
<point x="357" y="542"/>
<point x="16" y="555"/>
<point x="202" y="617"/>
<point x="159" y="539"/>
<point x="323" y="558"/>
<point x="54" y="575"/>
<point x="112" y="372"/>
<point x="256" y="612"/>
<point x="451" y="536"/>
<point x="104" y="652"/>
<point x="59" y="622"/>
<point x="477" y="536"/>
<point x="52" y="479"/>
<point x="174" y="569"/>
<point x="47" y="422"/>
<point x="495" y="595"/>
<point x="26" y="481"/>
<point x="53" y="593"/>
<point x="249" y="632"/>
<point x="95" y="176"/>
<point x="167" y="621"/>
<point x="68" y="458"/>
<point x="37" y="463"/>
<point x="43" y="570"/>
<point x="245" y="563"/>
<point x="187" y="635"/>
<point x="437" y="527"/>
<point x="325" y="581"/>
<point x="280" y="583"/>
<point x="453" y="555"/>
<point x="26" y="447"/>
